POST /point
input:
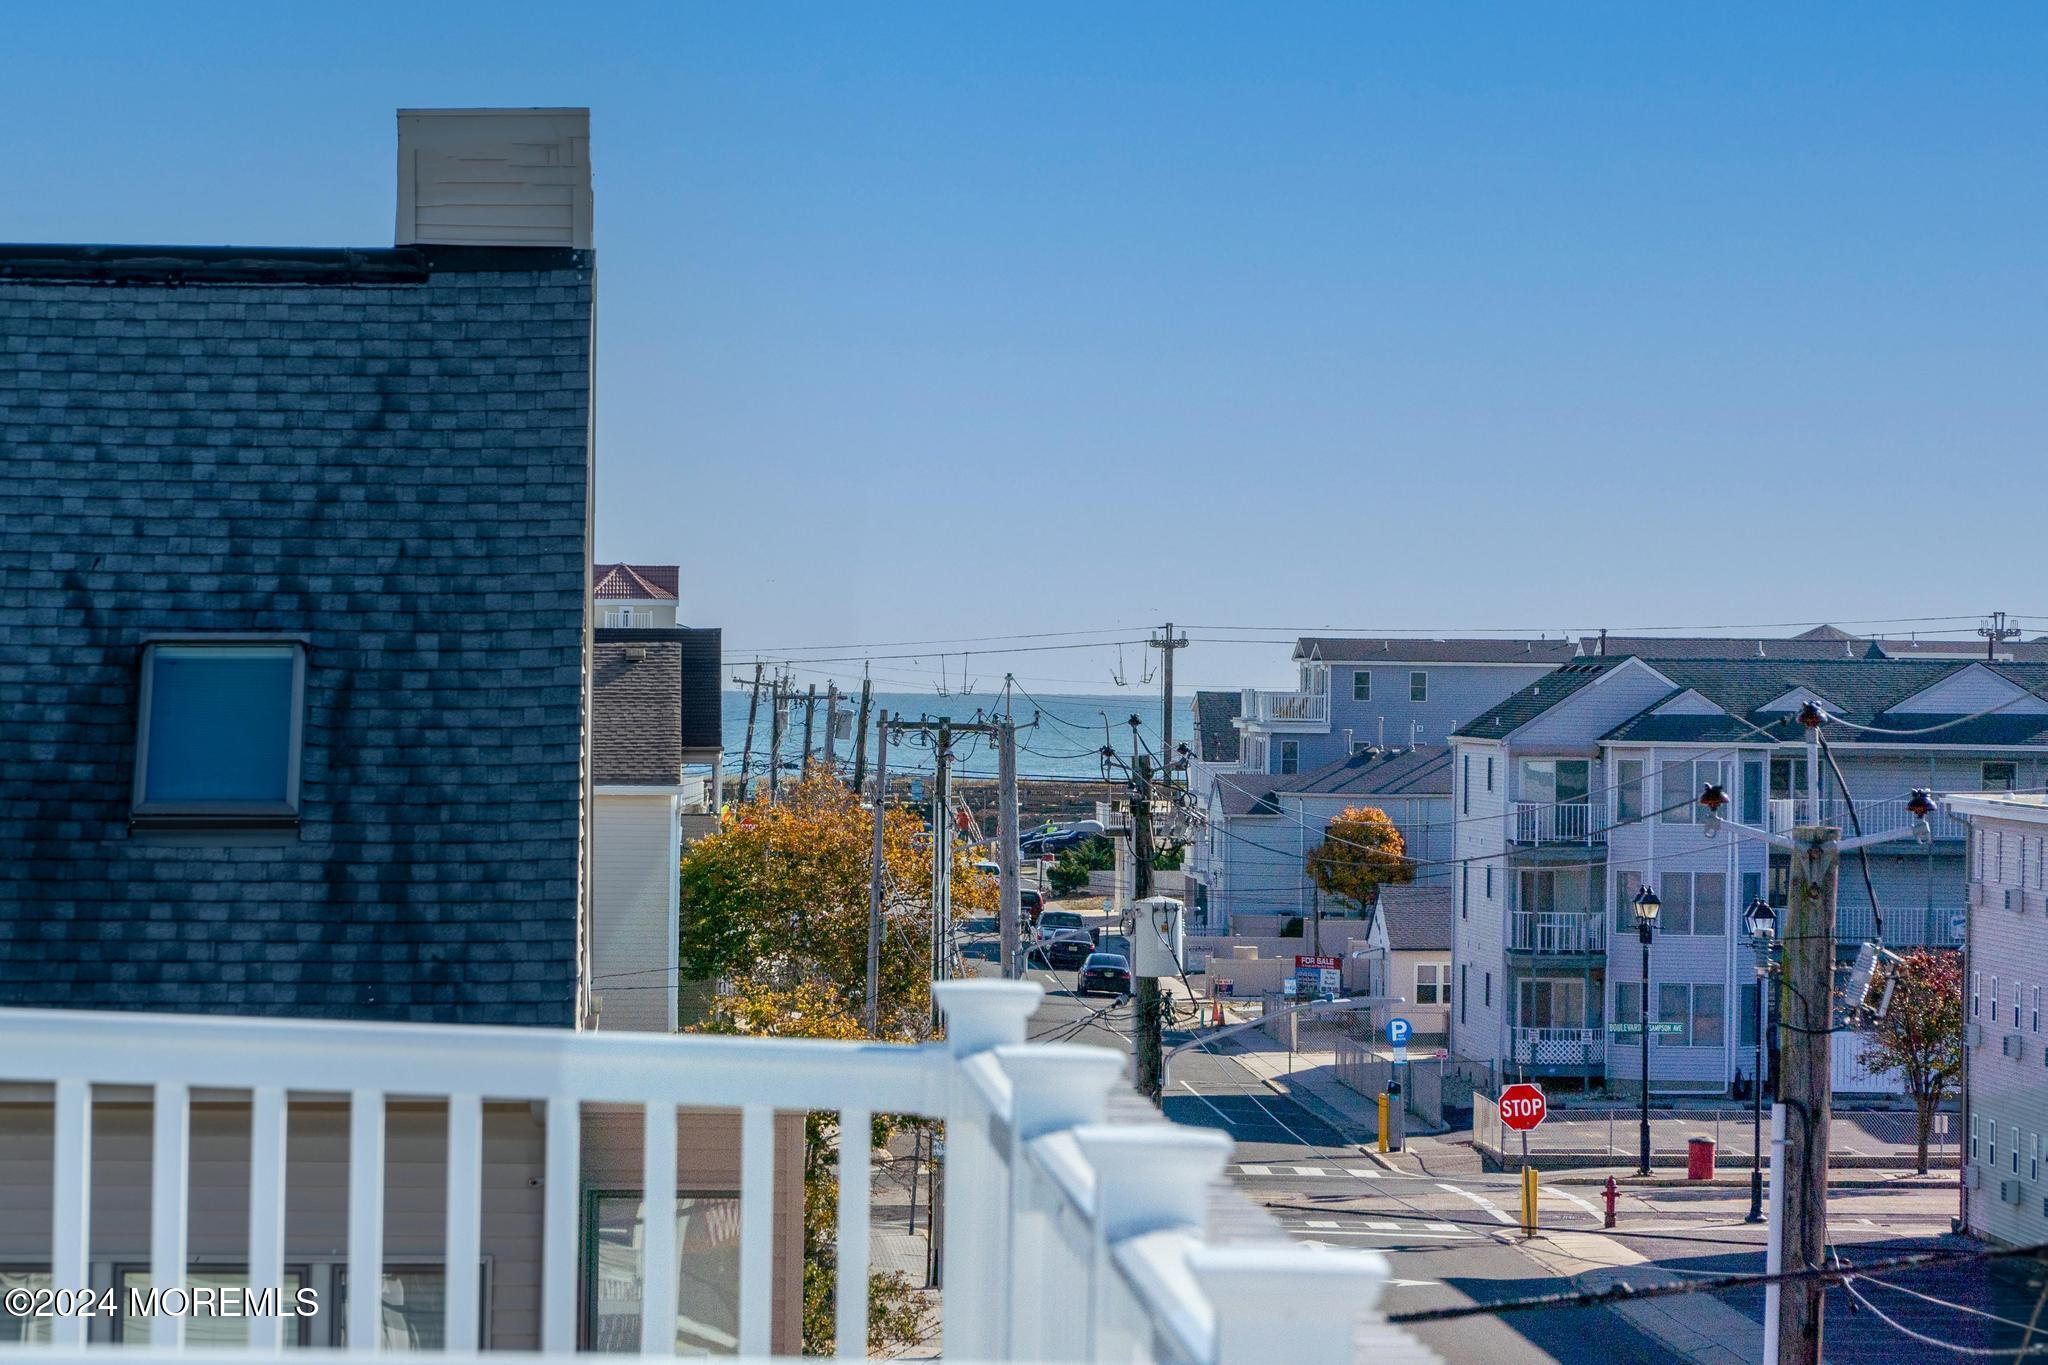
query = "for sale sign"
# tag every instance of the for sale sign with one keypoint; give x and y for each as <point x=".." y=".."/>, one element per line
<point x="1522" y="1107"/>
<point x="1317" y="976"/>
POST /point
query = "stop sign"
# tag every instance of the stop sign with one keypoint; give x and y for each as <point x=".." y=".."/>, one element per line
<point x="1522" y="1107"/>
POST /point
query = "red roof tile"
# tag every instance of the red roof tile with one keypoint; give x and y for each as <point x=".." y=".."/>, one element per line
<point x="640" y="582"/>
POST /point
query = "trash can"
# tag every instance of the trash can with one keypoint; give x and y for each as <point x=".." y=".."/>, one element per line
<point x="1699" y="1159"/>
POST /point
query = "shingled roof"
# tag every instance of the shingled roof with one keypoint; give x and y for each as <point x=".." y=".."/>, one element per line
<point x="1538" y="697"/>
<point x="1424" y="770"/>
<point x="1346" y="650"/>
<point x="636" y="582"/>
<point x="1215" y="737"/>
<point x="653" y="694"/>
<point x="1418" y="918"/>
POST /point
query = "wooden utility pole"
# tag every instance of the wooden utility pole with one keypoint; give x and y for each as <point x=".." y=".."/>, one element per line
<point x="1166" y="642"/>
<point x="747" y="748"/>
<point x="831" y="727"/>
<point x="870" y="1006"/>
<point x="860" y="739"/>
<point x="1805" y="1084"/>
<point x="776" y="717"/>
<point x="1145" y="1038"/>
<point x="942" y="862"/>
<point x="810" y="715"/>
<point x="1006" y="844"/>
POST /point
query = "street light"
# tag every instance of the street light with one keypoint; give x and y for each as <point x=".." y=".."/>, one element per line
<point x="1712" y="798"/>
<point x="1763" y="928"/>
<point x="1920" y="805"/>
<point x="1646" y="906"/>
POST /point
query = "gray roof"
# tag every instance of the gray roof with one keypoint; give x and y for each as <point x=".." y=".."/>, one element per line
<point x="1538" y="697"/>
<point x="1215" y="737"/>
<point x="1346" y="650"/>
<point x="1418" y="918"/>
<point x="1821" y="643"/>
<point x="646" y="710"/>
<point x="1424" y="770"/>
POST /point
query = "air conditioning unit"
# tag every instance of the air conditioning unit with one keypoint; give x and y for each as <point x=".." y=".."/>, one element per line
<point x="1974" y="1035"/>
<point x="2010" y="1045"/>
<point x="2009" y="1192"/>
<point x="2013" y="899"/>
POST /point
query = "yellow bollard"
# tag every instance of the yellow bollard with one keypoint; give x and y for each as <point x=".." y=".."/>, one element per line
<point x="1528" y="1201"/>
<point x="1383" y="1122"/>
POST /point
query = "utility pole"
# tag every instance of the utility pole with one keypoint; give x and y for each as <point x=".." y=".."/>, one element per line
<point x="942" y="861"/>
<point x="747" y="748"/>
<point x="1166" y="643"/>
<point x="860" y="739"/>
<point x="831" y="726"/>
<point x="1146" y="1040"/>
<point x="1006" y="842"/>
<point x="1996" y="632"/>
<point x="810" y="714"/>
<point x="776" y="717"/>
<point x="870" y="1007"/>
<point x="1805" y="1085"/>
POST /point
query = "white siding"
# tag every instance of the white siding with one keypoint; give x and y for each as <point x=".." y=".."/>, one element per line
<point x="633" y="947"/>
<point x="1478" y="920"/>
<point x="1974" y="689"/>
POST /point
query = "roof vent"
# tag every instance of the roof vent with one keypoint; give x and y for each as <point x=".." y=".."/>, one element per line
<point x="494" y="177"/>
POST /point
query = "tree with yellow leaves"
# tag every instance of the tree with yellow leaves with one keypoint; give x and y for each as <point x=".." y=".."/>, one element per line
<point x="1361" y="852"/>
<point x="778" y="897"/>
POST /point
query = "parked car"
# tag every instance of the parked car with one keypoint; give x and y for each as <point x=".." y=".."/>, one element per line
<point x="1031" y="904"/>
<point x="1112" y="942"/>
<point x="1069" y="949"/>
<point x="1051" y="922"/>
<point x="1109" y="973"/>
<point x="987" y="868"/>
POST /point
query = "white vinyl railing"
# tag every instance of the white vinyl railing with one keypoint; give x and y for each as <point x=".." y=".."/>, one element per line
<point x="1548" y="822"/>
<point x="1267" y="707"/>
<point x="1557" y="932"/>
<point x="1068" y="1238"/>
<point x="1558" y="1046"/>
<point x="1875" y="816"/>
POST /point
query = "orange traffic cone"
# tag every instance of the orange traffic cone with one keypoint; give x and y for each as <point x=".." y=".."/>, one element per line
<point x="1216" y="1020"/>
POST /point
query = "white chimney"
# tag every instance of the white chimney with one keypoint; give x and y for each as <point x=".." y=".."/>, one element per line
<point x="494" y="177"/>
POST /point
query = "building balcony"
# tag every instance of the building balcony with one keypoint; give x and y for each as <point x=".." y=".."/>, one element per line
<point x="1545" y="822"/>
<point x="1558" y="1051"/>
<point x="1876" y="817"/>
<point x="1550" y="933"/>
<point x="1062" y="1187"/>
<point x="1287" y="712"/>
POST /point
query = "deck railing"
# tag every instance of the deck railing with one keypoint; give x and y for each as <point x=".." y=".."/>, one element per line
<point x="1267" y="706"/>
<point x="1550" y="822"/>
<point x="1068" y="1237"/>
<point x="1557" y="932"/>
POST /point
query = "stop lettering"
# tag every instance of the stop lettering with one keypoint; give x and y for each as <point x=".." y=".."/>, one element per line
<point x="1522" y="1107"/>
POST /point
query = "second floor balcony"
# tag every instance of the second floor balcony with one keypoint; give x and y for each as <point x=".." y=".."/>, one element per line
<point x="1550" y="1051"/>
<point x="1290" y="711"/>
<point x="1554" y="822"/>
<point x="1884" y="816"/>
<point x="1557" y="933"/>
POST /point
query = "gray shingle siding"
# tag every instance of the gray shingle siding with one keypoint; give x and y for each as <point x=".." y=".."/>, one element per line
<point x="347" y="462"/>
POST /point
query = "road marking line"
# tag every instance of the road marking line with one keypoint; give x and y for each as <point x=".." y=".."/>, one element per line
<point x="1365" y="1173"/>
<point x="1413" y="1236"/>
<point x="1569" y="1197"/>
<point x="1499" y="1214"/>
<point x="1441" y="1227"/>
<point x="1384" y="1227"/>
<point x="1321" y="1223"/>
<point x="1255" y="1170"/>
<point x="1306" y="1170"/>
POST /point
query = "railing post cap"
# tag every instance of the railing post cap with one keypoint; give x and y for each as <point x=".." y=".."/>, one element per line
<point x="1280" y="1281"/>
<point x="983" y="1014"/>
<point x="1151" y="1175"/>
<point x="1057" y="1085"/>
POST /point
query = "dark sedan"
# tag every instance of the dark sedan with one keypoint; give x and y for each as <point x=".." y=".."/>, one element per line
<point x="1067" y="948"/>
<point x="1108" y="973"/>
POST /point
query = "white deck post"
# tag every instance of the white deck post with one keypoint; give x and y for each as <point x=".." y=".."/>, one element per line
<point x="465" y="1221"/>
<point x="658" y="1232"/>
<point x="365" y="1322"/>
<point x="1299" y="1304"/>
<point x="980" y="1015"/>
<point x="1148" y="1177"/>
<point x="266" y="1210"/>
<point x="70" y="1259"/>
<point x="169" y="1201"/>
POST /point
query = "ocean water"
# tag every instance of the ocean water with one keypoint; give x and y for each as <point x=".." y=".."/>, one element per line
<point x="1065" y="742"/>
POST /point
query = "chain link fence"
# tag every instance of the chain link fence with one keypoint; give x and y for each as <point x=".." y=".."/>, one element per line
<point x="1610" y="1135"/>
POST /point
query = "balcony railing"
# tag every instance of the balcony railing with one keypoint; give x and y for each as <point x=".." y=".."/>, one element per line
<point x="1290" y="708"/>
<point x="1876" y="816"/>
<point x="1047" y="1203"/>
<point x="1557" y="932"/>
<point x="1569" y="1047"/>
<point x="1547" y="822"/>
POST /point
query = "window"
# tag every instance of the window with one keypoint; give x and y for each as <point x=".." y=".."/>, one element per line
<point x="1488" y="983"/>
<point x="2001" y="777"/>
<point x="2037" y="1009"/>
<point x="218" y="734"/>
<point x="1682" y="782"/>
<point x="1628" y="789"/>
<point x="1559" y="891"/>
<point x="209" y="1329"/>
<point x="1990" y="1140"/>
<point x="1976" y="994"/>
<point x="1778" y="880"/>
<point x="1465" y="892"/>
<point x="1551" y="1002"/>
<point x="1753" y="791"/>
<point x="2033" y="1156"/>
<point x="708" y="1263"/>
<point x="1465" y="787"/>
<point x="1994" y="1000"/>
<point x="1697" y="1011"/>
<point x="1290" y="755"/>
<point x="21" y="1329"/>
<point x="1418" y="686"/>
<point x="628" y="617"/>
<point x="1489" y="772"/>
<point x="1489" y="881"/>
<point x="2015" y="1004"/>
<point x="1432" y="982"/>
<point x="1752" y="889"/>
<point x="1361" y="685"/>
<point x="1626" y="884"/>
<point x="1707" y="900"/>
<point x="1976" y="1127"/>
<point x="2014" y="1134"/>
<point x="1464" y="991"/>
<point x="1628" y="1002"/>
<point x="1746" y="1005"/>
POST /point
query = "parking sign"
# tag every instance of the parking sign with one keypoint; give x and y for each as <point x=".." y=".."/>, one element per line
<point x="1398" y="1032"/>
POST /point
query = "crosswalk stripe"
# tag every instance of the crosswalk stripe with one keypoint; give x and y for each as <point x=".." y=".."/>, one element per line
<point x="1308" y="1170"/>
<point x="1441" y="1227"/>
<point x="1384" y="1227"/>
<point x="1256" y="1170"/>
<point x="1495" y="1211"/>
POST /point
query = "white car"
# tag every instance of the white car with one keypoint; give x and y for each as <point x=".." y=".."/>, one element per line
<point x="1052" y="922"/>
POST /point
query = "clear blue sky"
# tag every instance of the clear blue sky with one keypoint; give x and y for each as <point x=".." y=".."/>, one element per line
<point x="960" y="320"/>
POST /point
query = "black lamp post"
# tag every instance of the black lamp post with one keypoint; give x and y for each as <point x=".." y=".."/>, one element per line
<point x="1763" y="928"/>
<point x="1646" y="906"/>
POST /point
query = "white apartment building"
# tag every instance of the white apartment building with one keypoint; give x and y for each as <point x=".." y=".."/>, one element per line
<point x="2005" y="968"/>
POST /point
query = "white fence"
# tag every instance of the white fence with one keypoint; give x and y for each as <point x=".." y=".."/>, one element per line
<point x="1544" y="822"/>
<point x="1068" y="1237"/>
<point x="1845" y="1052"/>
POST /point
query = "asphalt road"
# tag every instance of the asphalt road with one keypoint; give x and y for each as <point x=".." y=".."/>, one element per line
<point x="1452" y="1239"/>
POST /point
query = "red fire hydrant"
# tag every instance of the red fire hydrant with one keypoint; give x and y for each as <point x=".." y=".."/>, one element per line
<point x="1610" y="1194"/>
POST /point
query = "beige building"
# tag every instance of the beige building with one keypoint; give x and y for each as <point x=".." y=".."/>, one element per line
<point x="1408" y="953"/>
<point x="2005" y="970"/>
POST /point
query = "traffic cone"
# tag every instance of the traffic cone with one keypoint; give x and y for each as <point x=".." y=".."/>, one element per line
<point x="1216" y="1019"/>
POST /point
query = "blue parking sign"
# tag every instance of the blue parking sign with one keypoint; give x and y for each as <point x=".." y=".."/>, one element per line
<point x="1398" y="1031"/>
